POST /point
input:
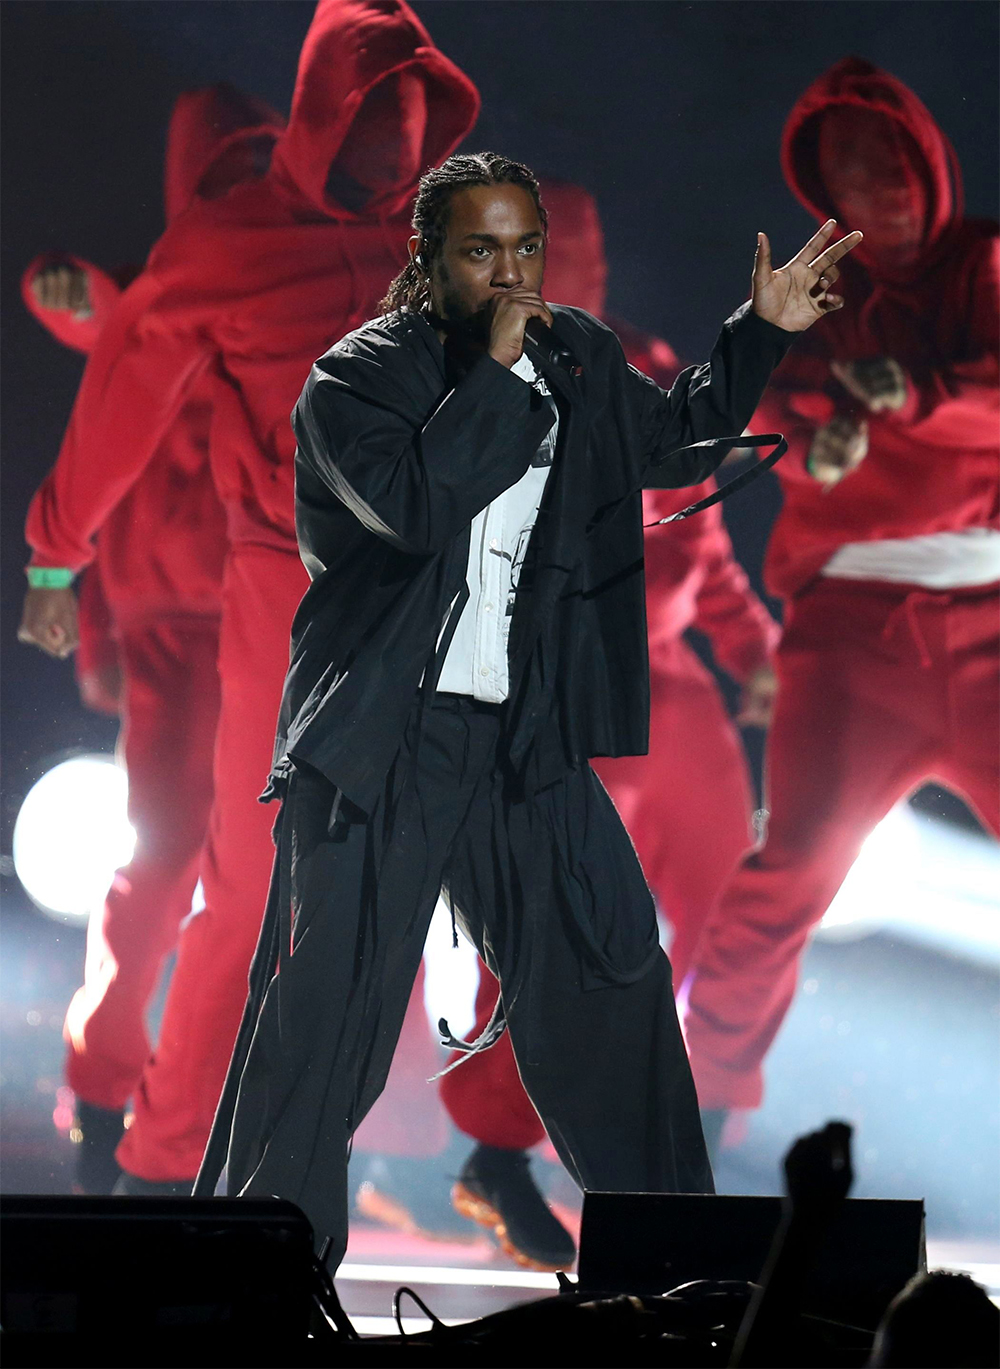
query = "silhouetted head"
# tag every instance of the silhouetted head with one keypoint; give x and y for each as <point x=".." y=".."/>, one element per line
<point x="940" y="1320"/>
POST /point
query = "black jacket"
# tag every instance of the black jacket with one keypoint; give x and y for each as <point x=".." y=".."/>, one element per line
<point x="395" y="458"/>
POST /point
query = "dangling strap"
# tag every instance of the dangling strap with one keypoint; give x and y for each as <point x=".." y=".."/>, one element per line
<point x="738" y="482"/>
<point x="492" y="1033"/>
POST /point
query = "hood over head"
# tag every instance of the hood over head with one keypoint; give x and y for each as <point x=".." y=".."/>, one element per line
<point x="576" y="269"/>
<point x="218" y="137"/>
<point x="856" y="127"/>
<point x="376" y="104"/>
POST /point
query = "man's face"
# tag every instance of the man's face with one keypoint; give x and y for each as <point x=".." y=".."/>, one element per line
<point x="494" y="243"/>
<point x="384" y="147"/>
<point x="875" y="185"/>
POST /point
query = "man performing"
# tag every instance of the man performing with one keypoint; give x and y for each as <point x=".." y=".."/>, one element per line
<point x="250" y="288"/>
<point x="148" y="644"/>
<point x="686" y="805"/>
<point x="452" y="672"/>
<point x="887" y="551"/>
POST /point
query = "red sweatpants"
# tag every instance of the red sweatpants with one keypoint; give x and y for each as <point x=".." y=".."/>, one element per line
<point x="170" y="711"/>
<point x="881" y="689"/>
<point x="687" y="808"/>
<point x="182" y="1080"/>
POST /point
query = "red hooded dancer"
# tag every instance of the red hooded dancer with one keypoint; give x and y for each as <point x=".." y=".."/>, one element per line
<point x="887" y="551"/>
<point x="148" y="642"/>
<point x="686" y="804"/>
<point x="251" y="287"/>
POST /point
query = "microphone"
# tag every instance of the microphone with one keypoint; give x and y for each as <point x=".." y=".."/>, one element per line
<point x="550" y="347"/>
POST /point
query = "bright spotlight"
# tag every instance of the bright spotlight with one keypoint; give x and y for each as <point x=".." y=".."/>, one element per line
<point x="925" y="881"/>
<point x="72" y="834"/>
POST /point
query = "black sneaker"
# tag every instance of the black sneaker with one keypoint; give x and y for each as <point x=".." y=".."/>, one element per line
<point x="131" y="1186"/>
<point x="495" y="1189"/>
<point x="96" y="1132"/>
<point x="406" y="1194"/>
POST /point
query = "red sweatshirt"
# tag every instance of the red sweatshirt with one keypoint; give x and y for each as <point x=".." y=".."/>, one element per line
<point x="692" y="577"/>
<point x="252" y="287"/>
<point x="933" y="465"/>
<point x="161" y="546"/>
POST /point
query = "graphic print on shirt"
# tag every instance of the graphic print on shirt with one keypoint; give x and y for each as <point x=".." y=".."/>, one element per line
<point x="543" y="457"/>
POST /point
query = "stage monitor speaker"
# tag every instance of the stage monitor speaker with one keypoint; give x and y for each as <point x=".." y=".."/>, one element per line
<point x="652" y="1242"/>
<point x="170" y="1266"/>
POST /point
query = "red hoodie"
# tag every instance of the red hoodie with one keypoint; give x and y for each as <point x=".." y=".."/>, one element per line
<point x="161" y="548"/>
<point x="253" y="286"/>
<point x="692" y="576"/>
<point x="933" y="465"/>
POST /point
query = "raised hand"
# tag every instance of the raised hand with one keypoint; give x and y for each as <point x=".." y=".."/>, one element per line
<point x="818" y="1171"/>
<point x="62" y="286"/>
<point x="795" y="295"/>
<point x="878" y="382"/>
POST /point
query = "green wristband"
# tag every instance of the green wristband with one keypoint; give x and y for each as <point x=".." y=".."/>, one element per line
<point x="50" y="577"/>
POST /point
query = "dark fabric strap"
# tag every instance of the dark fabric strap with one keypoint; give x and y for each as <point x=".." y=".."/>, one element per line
<point x="740" y="481"/>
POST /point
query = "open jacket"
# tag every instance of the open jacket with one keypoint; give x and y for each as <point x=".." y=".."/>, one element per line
<point x="397" y="454"/>
<point x="693" y="579"/>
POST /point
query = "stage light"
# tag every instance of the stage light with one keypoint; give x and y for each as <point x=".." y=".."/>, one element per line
<point x="451" y="975"/>
<point x="925" y="881"/>
<point x="72" y="834"/>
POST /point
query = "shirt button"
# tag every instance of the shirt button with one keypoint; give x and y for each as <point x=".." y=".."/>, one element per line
<point x="484" y="670"/>
<point x="494" y="543"/>
<point x="487" y="608"/>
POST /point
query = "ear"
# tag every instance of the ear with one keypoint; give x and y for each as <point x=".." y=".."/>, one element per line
<point x="413" y="247"/>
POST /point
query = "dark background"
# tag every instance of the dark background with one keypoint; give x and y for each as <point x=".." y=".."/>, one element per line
<point x="670" y="112"/>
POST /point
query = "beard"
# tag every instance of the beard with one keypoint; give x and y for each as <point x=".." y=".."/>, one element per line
<point x="471" y="323"/>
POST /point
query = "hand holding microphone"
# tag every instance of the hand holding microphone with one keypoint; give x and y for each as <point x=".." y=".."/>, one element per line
<point x="512" y="313"/>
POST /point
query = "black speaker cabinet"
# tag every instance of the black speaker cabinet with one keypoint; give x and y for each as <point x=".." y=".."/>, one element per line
<point x="169" y="1266"/>
<point x="651" y="1242"/>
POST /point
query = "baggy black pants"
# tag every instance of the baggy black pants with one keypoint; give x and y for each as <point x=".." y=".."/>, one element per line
<point x="550" y="891"/>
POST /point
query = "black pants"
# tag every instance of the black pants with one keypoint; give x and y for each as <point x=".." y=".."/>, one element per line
<point x="550" y="891"/>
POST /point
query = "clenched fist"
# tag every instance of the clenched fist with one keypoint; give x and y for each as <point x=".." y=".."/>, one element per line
<point x="838" y="448"/>
<point x="879" y="382"/>
<point x="62" y="286"/>
<point x="50" y="621"/>
<point x="510" y="317"/>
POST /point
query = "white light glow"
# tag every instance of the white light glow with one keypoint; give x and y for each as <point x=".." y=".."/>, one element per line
<point x="451" y="975"/>
<point x="452" y="1275"/>
<point x="926" y="881"/>
<point x="72" y="834"/>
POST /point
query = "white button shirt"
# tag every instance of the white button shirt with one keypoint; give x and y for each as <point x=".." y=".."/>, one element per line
<point x="476" y="662"/>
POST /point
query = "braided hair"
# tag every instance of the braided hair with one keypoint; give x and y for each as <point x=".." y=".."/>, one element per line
<point x="412" y="287"/>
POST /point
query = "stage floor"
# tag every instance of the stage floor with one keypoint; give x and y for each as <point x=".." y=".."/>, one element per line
<point x="899" y="1040"/>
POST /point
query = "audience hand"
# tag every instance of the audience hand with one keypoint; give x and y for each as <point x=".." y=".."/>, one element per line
<point x="818" y="1170"/>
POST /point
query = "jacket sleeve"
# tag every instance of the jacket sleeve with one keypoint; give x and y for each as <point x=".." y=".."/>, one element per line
<point x="417" y="487"/>
<point x="798" y="400"/>
<point x="742" y="632"/>
<point x="73" y="330"/>
<point x="132" y="390"/>
<point x="714" y="400"/>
